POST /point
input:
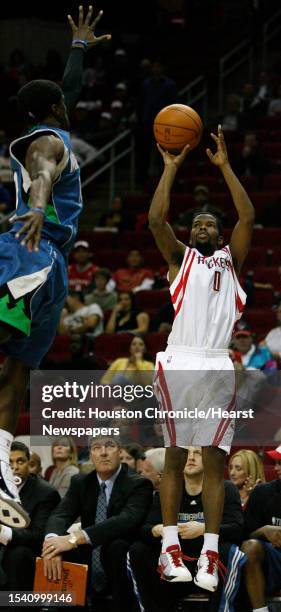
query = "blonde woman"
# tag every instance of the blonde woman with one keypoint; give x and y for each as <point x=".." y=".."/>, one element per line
<point x="245" y="471"/>
<point x="64" y="455"/>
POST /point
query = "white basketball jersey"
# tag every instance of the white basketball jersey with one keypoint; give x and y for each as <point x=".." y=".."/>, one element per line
<point x="207" y="300"/>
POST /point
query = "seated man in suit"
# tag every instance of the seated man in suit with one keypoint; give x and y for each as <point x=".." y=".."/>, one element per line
<point x="112" y="502"/>
<point x="20" y="547"/>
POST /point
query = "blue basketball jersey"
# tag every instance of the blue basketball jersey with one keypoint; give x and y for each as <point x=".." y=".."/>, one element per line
<point x="65" y="204"/>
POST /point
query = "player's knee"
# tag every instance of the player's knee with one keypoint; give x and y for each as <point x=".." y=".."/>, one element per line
<point x="254" y="551"/>
<point x="213" y="461"/>
<point x="175" y="459"/>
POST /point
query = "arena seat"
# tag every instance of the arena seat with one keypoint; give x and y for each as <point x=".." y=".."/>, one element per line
<point x="112" y="346"/>
<point x="272" y="181"/>
<point x="152" y="299"/>
<point x="155" y="342"/>
<point x="267" y="274"/>
<point x="60" y="349"/>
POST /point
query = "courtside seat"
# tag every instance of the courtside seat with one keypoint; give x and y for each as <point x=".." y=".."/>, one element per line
<point x="257" y="256"/>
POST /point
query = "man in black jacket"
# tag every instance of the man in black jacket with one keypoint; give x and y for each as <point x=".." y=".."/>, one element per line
<point x="21" y="546"/>
<point x="128" y="497"/>
<point x="155" y="594"/>
<point x="263" y="525"/>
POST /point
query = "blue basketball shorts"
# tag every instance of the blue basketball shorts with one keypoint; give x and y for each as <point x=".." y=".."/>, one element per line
<point x="33" y="288"/>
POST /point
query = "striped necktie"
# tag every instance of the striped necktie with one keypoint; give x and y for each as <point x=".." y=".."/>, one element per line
<point x="98" y="574"/>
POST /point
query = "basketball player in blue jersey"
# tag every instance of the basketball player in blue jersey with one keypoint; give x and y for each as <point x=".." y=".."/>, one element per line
<point x="195" y="371"/>
<point x="33" y="273"/>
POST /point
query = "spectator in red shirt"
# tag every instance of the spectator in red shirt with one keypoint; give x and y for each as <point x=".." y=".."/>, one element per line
<point x="135" y="277"/>
<point x="80" y="273"/>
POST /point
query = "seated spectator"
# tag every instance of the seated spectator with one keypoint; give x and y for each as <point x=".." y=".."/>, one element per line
<point x="201" y="195"/>
<point x="252" y="356"/>
<point x="130" y="453"/>
<point x="112" y="502"/>
<point x="78" y="319"/>
<point x="131" y="368"/>
<point x="101" y="295"/>
<point x="125" y="317"/>
<point x="80" y="273"/>
<point x="252" y="107"/>
<point x="245" y="471"/>
<point x="274" y="108"/>
<point x="115" y="217"/>
<point x="135" y="277"/>
<point x="231" y="116"/>
<point x="35" y="466"/>
<point x="151" y="465"/>
<point x="262" y="571"/>
<point x="20" y="547"/>
<point x="64" y="456"/>
<point x="157" y="595"/>
<point x="252" y="161"/>
<point x="273" y="338"/>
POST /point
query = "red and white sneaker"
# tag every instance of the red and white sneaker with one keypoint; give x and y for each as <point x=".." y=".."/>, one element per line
<point x="208" y="568"/>
<point x="171" y="565"/>
<point x="11" y="510"/>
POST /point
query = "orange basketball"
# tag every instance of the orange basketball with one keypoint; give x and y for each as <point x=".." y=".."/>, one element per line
<point x="176" y="126"/>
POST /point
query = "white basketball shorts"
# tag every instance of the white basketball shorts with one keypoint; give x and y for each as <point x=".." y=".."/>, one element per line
<point x="195" y="389"/>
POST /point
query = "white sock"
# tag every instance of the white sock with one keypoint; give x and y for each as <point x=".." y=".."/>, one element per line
<point x="6" y="440"/>
<point x="170" y="536"/>
<point x="211" y="541"/>
<point x="264" y="609"/>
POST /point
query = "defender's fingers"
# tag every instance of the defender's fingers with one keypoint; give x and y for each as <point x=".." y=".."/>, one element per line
<point x="214" y="137"/>
<point x="71" y="23"/>
<point x="96" y="20"/>
<point x="81" y="15"/>
<point x="89" y="15"/>
<point x="210" y="154"/>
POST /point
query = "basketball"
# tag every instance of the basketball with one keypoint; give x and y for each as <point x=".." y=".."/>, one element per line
<point x="176" y="126"/>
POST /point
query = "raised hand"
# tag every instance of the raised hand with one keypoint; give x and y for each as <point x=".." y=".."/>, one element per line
<point x="173" y="160"/>
<point x="85" y="30"/>
<point x="220" y="157"/>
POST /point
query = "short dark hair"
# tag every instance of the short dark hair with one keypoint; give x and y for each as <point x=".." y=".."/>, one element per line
<point x="20" y="446"/>
<point x="36" y="98"/>
<point x="77" y="294"/>
<point x="216" y="217"/>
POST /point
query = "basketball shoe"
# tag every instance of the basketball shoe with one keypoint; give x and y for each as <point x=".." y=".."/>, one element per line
<point x="171" y="566"/>
<point x="208" y="568"/>
<point x="11" y="510"/>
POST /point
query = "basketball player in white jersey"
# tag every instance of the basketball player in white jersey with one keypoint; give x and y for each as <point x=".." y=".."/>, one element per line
<point x="195" y="371"/>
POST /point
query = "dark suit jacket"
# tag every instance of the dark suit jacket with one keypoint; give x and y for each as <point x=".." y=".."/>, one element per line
<point x="38" y="498"/>
<point x="129" y="503"/>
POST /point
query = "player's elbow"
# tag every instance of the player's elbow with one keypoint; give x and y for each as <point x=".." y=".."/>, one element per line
<point x="155" y="223"/>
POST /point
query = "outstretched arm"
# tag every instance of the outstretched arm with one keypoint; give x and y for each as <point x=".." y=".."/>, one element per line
<point x="83" y="38"/>
<point x="42" y="157"/>
<point x="171" y="249"/>
<point x="241" y="236"/>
